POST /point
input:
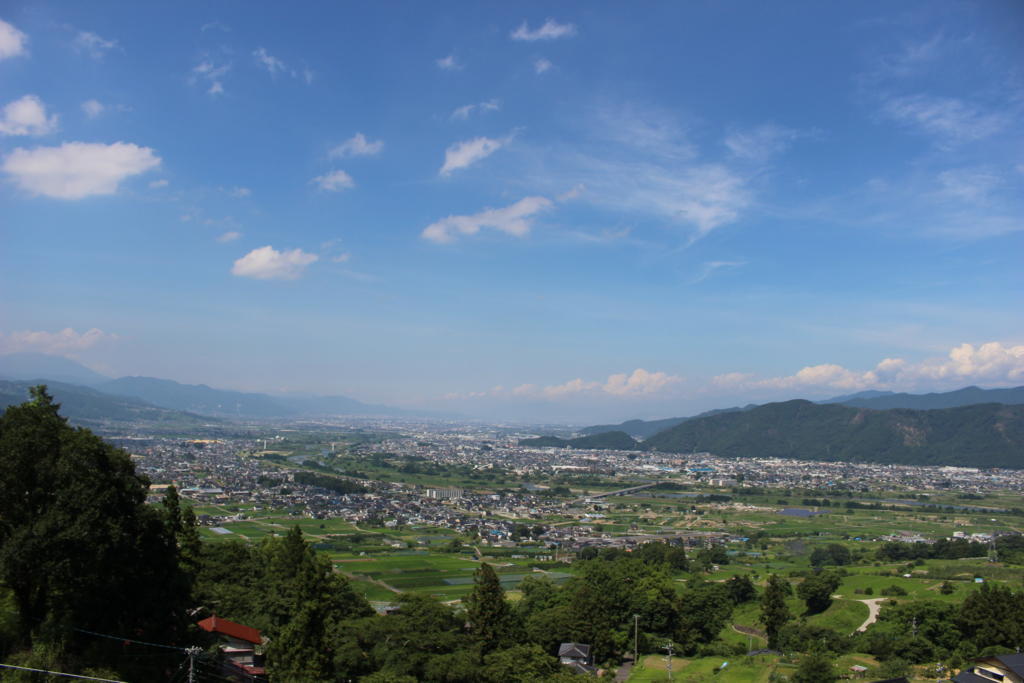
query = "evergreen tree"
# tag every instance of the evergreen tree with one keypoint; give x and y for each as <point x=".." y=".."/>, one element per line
<point x="774" y="611"/>
<point x="490" y="619"/>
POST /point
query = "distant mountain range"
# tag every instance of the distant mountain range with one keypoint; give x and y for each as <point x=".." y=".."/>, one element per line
<point x="89" y="407"/>
<point x="950" y="399"/>
<point x="875" y="400"/>
<point x="196" y="399"/>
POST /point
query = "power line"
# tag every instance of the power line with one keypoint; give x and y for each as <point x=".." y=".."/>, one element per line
<point x="131" y="640"/>
<point x="60" y="673"/>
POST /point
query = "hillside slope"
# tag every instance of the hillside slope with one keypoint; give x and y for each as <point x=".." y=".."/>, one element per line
<point x="985" y="435"/>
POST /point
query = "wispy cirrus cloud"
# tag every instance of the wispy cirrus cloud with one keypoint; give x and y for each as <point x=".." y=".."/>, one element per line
<point x="94" y="46"/>
<point x="711" y="267"/>
<point x="63" y="342"/>
<point x="466" y="153"/>
<point x="462" y="113"/>
<point x="761" y="142"/>
<point x="542" y="65"/>
<point x="515" y="219"/>
<point x="549" y="30"/>
<point x="949" y="120"/>
<point x="272" y="64"/>
<point x="211" y="72"/>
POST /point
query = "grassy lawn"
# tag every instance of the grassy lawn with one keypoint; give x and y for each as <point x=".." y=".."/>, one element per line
<point x="739" y="669"/>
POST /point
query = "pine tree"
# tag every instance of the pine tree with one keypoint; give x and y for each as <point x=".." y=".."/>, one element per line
<point x="774" y="611"/>
<point x="490" y="618"/>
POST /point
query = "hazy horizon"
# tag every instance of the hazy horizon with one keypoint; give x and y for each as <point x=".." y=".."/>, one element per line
<point x="581" y="212"/>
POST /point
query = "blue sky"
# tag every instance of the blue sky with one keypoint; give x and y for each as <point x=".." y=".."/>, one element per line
<point x="571" y="211"/>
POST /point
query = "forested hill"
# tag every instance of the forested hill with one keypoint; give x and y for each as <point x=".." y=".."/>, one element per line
<point x="985" y="435"/>
<point x="642" y="429"/>
<point x="608" y="441"/>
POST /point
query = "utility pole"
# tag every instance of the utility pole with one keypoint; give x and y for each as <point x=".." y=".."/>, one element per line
<point x="192" y="653"/>
<point x="636" y="638"/>
<point x="668" y="665"/>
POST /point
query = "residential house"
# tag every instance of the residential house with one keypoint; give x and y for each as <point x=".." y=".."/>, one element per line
<point x="577" y="657"/>
<point x="1008" y="668"/>
<point x="239" y="644"/>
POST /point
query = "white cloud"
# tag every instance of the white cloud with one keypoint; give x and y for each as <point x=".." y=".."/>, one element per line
<point x="760" y="143"/>
<point x="213" y="74"/>
<point x="449" y="63"/>
<point x="549" y="30"/>
<point x="27" y="116"/>
<point x="269" y="62"/>
<point x="541" y="65"/>
<point x="59" y="343"/>
<point x="12" y="41"/>
<point x="307" y="75"/>
<point x="157" y="184"/>
<point x="650" y="131"/>
<point x="229" y="236"/>
<point x="468" y="152"/>
<point x="990" y="363"/>
<point x="77" y="169"/>
<point x="266" y="263"/>
<point x="334" y="181"/>
<point x="92" y="44"/>
<point x="706" y="197"/>
<point x="464" y="112"/>
<point x="638" y="384"/>
<point x="948" y="119"/>
<point x="92" y="108"/>
<point x="357" y="146"/>
<point x="515" y="219"/>
<point x="239" y="192"/>
<point x="972" y="185"/>
<point x="342" y="258"/>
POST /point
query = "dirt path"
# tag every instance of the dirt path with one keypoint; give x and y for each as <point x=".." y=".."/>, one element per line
<point x="874" y="606"/>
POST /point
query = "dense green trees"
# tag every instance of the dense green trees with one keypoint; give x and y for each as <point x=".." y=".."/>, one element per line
<point x="815" y="668"/>
<point x="831" y="554"/>
<point x="79" y="549"/>
<point x="817" y="589"/>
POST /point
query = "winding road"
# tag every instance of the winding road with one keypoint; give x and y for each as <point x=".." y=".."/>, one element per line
<point x="874" y="607"/>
